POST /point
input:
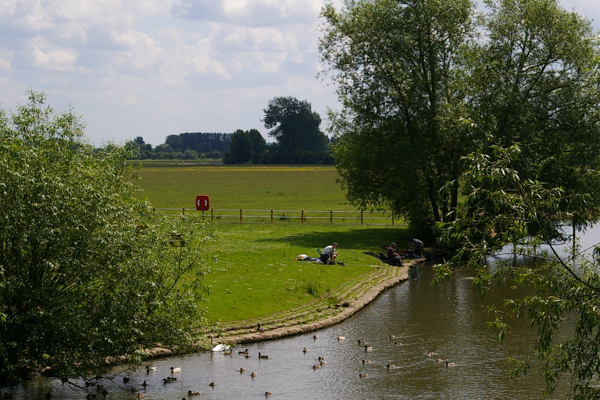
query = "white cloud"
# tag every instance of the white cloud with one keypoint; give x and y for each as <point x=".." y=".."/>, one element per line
<point x="6" y="57"/>
<point x="157" y="67"/>
<point x="251" y="12"/>
<point x="140" y="52"/>
<point x="50" y="57"/>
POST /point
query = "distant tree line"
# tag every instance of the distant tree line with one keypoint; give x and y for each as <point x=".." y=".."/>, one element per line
<point x="293" y="124"/>
<point x="184" y="146"/>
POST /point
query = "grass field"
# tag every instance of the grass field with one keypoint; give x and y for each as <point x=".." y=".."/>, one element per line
<point x="247" y="187"/>
<point x="252" y="267"/>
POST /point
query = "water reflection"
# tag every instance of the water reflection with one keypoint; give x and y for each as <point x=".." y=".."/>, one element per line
<point x="448" y="320"/>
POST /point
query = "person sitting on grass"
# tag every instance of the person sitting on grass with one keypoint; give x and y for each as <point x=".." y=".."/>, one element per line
<point x="393" y="257"/>
<point x="329" y="254"/>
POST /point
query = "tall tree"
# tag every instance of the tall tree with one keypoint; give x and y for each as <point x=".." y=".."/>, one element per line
<point x="535" y="82"/>
<point x="86" y="270"/>
<point x="295" y="127"/>
<point x="259" y="144"/>
<point x="240" y="148"/>
<point x="400" y="135"/>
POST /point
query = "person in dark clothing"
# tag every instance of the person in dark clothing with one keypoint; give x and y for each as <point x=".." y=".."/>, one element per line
<point x="416" y="246"/>
<point x="393" y="256"/>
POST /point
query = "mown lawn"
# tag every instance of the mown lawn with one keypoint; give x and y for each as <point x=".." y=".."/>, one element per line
<point x="252" y="267"/>
<point x="253" y="271"/>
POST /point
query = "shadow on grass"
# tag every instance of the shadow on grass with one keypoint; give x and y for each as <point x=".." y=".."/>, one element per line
<point x="351" y="239"/>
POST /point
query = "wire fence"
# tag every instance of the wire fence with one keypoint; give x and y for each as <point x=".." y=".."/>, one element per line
<point x="239" y="215"/>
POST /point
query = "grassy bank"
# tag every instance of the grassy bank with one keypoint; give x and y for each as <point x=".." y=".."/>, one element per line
<point x="253" y="271"/>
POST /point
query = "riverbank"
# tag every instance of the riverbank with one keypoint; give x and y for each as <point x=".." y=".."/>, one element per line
<point x="349" y="299"/>
<point x="316" y="315"/>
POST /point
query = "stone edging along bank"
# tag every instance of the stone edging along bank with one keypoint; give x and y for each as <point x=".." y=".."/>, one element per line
<point x="293" y="324"/>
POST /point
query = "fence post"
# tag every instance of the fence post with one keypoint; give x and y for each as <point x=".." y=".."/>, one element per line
<point x="212" y="215"/>
<point x="183" y="211"/>
<point x="240" y="215"/>
<point x="302" y="216"/>
<point x="393" y="217"/>
<point x="331" y="216"/>
<point x="271" y="215"/>
<point x="362" y="219"/>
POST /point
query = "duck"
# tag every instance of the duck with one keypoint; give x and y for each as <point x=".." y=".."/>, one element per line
<point x="253" y="375"/>
<point x="263" y="356"/>
<point x="361" y="376"/>
<point x="362" y="341"/>
<point x="316" y="366"/>
<point x="212" y="384"/>
<point x="366" y="362"/>
<point x="193" y="393"/>
<point x="242" y="370"/>
<point x="368" y="348"/>
<point x="244" y="352"/>
<point x="228" y="353"/>
<point x="144" y="384"/>
<point x="305" y="350"/>
<point x="150" y="369"/>
<point x="397" y="344"/>
<point x="430" y="354"/>
<point x="392" y="337"/>
<point x="267" y="394"/>
<point x="175" y="369"/>
<point x="315" y="337"/>
<point x="341" y="338"/>
<point x="259" y="329"/>
<point x="126" y="379"/>
<point x="140" y="395"/>
<point x="321" y="359"/>
<point x="91" y="396"/>
<point x="390" y="366"/>
<point x="134" y="389"/>
<point x="438" y="360"/>
<point x="450" y="364"/>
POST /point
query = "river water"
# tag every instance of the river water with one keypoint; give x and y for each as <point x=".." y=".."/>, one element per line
<point x="448" y="319"/>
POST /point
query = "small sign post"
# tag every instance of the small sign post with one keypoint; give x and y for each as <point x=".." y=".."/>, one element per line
<point x="202" y="203"/>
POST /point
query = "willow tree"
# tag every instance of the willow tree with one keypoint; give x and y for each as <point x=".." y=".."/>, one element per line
<point x="401" y="133"/>
<point x="88" y="272"/>
<point x="535" y="82"/>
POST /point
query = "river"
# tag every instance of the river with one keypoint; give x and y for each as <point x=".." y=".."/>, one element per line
<point x="448" y="320"/>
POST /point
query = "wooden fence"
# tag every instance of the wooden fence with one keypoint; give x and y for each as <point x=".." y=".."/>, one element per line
<point x="293" y="216"/>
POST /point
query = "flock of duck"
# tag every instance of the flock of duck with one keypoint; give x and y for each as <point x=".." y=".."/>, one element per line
<point x="140" y="390"/>
<point x="369" y="349"/>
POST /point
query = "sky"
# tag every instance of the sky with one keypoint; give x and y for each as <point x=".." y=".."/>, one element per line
<point x="154" y="68"/>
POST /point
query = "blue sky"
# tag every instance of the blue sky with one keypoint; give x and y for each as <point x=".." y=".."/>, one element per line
<point x="152" y="68"/>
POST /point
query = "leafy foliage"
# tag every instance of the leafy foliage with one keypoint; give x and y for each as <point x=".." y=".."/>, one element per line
<point x="421" y="90"/>
<point x="400" y="135"/>
<point x="535" y="82"/>
<point x="240" y="148"/>
<point x="296" y="128"/>
<point x="501" y="210"/>
<point x="87" y="272"/>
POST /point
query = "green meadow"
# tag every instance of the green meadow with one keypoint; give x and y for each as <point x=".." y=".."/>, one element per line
<point x="239" y="186"/>
<point x="252" y="267"/>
